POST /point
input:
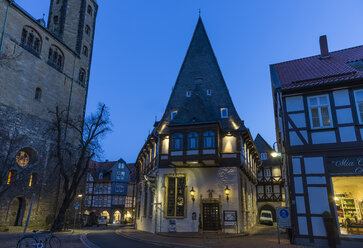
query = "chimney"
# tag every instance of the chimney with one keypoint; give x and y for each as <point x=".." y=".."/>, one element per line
<point x="324" y="51"/>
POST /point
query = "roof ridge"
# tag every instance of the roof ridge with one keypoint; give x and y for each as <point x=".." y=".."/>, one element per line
<point x="313" y="56"/>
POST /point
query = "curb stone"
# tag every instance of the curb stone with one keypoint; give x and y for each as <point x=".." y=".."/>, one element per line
<point x="164" y="244"/>
<point x="87" y="242"/>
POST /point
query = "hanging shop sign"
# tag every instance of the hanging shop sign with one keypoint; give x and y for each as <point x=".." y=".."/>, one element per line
<point x="346" y="165"/>
<point x="230" y="218"/>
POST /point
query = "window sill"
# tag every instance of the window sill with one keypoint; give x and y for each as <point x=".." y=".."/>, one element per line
<point x="58" y="68"/>
<point x="30" y="50"/>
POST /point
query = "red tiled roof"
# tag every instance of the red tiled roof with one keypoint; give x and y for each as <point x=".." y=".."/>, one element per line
<point x="315" y="70"/>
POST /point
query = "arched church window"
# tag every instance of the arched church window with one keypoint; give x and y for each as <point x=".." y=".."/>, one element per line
<point x="209" y="139"/>
<point x="177" y="141"/>
<point x="82" y="76"/>
<point x="30" y="40"/>
<point x="38" y="94"/>
<point x="193" y="140"/>
<point x="55" y="57"/>
<point x="85" y="51"/>
<point x="89" y="10"/>
<point x="88" y="30"/>
<point x="55" y="20"/>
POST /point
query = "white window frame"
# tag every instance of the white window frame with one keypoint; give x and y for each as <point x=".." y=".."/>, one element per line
<point x="356" y="105"/>
<point x="173" y="114"/>
<point x="267" y="191"/>
<point x="223" y="115"/>
<point x="319" y="109"/>
<point x="267" y="174"/>
<point x="189" y="93"/>
<point x="209" y="92"/>
<point x="263" y="156"/>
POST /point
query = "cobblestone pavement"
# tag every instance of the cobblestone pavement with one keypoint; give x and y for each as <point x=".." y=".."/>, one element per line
<point x="68" y="240"/>
<point x="262" y="236"/>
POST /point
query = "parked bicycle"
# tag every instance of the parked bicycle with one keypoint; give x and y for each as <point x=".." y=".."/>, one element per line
<point x="39" y="240"/>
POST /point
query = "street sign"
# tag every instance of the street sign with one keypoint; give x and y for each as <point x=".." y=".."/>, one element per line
<point x="283" y="217"/>
<point x="76" y="205"/>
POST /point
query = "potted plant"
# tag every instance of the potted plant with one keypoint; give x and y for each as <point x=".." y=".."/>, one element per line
<point x="331" y="229"/>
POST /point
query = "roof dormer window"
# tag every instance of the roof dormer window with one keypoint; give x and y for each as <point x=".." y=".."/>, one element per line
<point x="189" y="93"/>
<point x="224" y="112"/>
<point x="173" y="114"/>
<point x="100" y="176"/>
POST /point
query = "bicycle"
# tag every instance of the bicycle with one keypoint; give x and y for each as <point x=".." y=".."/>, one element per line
<point x="39" y="240"/>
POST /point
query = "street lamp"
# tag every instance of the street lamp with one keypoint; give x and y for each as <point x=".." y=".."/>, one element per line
<point x="192" y="194"/>
<point x="227" y="191"/>
<point x="275" y="154"/>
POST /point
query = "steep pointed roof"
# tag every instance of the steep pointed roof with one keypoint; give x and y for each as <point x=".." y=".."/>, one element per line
<point x="200" y="72"/>
<point x="263" y="147"/>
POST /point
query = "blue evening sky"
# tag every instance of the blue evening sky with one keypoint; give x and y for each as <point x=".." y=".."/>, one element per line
<point x="140" y="46"/>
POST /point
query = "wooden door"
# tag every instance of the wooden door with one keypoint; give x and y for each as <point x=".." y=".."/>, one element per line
<point x="211" y="216"/>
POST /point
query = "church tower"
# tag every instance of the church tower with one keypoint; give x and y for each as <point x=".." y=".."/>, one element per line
<point x="73" y="21"/>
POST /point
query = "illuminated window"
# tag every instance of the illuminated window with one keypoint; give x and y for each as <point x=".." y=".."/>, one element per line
<point x="173" y="114"/>
<point x="177" y="141"/>
<point x="224" y="112"/>
<point x="11" y="176"/>
<point x="33" y="180"/>
<point x="229" y="144"/>
<point x="189" y="93"/>
<point x="193" y="141"/>
<point x="208" y="139"/>
<point x="267" y="172"/>
<point x="319" y="110"/>
<point x="22" y="158"/>
<point x="209" y="92"/>
<point x="175" y="206"/>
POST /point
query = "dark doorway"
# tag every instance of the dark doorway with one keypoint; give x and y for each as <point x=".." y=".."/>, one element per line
<point x="211" y="220"/>
<point x="269" y="208"/>
<point x="16" y="211"/>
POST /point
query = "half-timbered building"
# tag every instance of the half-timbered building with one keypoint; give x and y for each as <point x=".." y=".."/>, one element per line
<point x="270" y="177"/>
<point x="197" y="169"/>
<point x="318" y="104"/>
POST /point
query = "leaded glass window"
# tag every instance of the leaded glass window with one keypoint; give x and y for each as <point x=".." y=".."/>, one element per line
<point x="176" y="197"/>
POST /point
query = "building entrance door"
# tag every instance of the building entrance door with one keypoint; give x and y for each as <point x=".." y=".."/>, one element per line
<point x="211" y="216"/>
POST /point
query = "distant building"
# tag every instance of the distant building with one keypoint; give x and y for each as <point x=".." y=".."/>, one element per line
<point x="318" y="104"/>
<point x="198" y="168"/>
<point x="110" y="191"/>
<point x="270" y="187"/>
<point x="41" y="67"/>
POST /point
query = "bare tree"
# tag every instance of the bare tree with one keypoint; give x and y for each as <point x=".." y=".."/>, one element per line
<point x="73" y="160"/>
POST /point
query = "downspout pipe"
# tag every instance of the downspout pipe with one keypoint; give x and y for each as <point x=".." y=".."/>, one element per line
<point x="4" y="27"/>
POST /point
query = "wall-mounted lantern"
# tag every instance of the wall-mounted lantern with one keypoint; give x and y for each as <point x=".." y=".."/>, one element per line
<point x="227" y="191"/>
<point x="192" y="194"/>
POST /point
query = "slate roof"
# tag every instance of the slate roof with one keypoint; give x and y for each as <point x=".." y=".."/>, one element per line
<point x="263" y="147"/>
<point x="199" y="72"/>
<point x="313" y="71"/>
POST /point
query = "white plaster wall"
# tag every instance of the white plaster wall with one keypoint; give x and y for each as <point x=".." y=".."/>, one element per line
<point x="341" y="97"/>
<point x="298" y="119"/>
<point x="300" y="205"/>
<point x="323" y="137"/>
<point x="318" y="199"/>
<point x="294" y="103"/>
<point x="201" y="179"/>
<point x="344" y="116"/>
<point x="318" y="226"/>
<point x="294" y="139"/>
<point x="347" y="134"/>
<point x="303" y="226"/>
<point x="314" y="165"/>
<point x="296" y="166"/>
